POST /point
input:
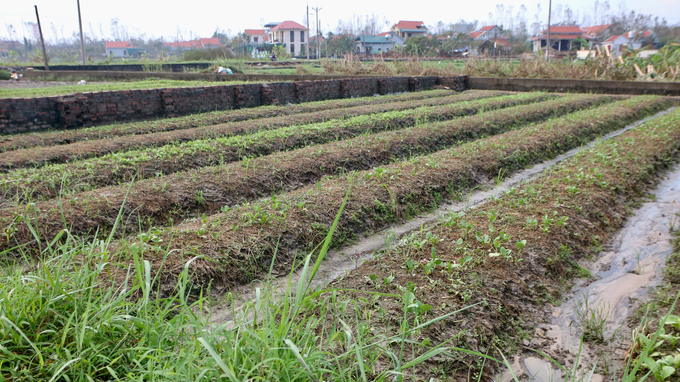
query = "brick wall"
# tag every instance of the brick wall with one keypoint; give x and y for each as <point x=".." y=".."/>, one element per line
<point x="308" y="91"/>
<point x="248" y="95"/>
<point x="28" y="114"/>
<point x="182" y="101"/>
<point x="360" y="87"/>
<point x="279" y="93"/>
<point x="390" y="85"/>
<point x="98" y="108"/>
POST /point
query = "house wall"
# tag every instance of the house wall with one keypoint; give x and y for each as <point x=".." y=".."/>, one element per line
<point x="117" y="52"/>
<point x="283" y="36"/>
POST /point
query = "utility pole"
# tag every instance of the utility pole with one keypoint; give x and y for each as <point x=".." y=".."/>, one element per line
<point x="42" y="39"/>
<point x="82" y="41"/>
<point x="318" y="46"/>
<point x="308" y="36"/>
<point x="547" y="45"/>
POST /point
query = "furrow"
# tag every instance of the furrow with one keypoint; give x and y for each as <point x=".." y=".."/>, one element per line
<point x="27" y="185"/>
<point x="162" y="201"/>
<point x="53" y="138"/>
<point x="239" y="245"/>
<point x="514" y="255"/>
<point x="41" y="156"/>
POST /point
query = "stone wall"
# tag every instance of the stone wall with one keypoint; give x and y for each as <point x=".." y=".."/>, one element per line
<point x="98" y="108"/>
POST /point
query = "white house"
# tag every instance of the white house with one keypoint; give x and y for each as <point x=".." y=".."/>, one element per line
<point x="122" y="49"/>
<point x="292" y="34"/>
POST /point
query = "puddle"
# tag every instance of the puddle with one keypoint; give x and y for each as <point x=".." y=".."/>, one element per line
<point x="338" y="262"/>
<point x="623" y="274"/>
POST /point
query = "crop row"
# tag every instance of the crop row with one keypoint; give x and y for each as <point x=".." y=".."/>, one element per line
<point x="239" y="244"/>
<point x="22" y="141"/>
<point x="39" y="156"/>
<point x="513" y="255"/>
<point x="164" y="200"/>
<point x="48" y="182"/>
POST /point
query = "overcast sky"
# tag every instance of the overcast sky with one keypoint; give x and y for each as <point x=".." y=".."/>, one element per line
<point x="200" y="18"/>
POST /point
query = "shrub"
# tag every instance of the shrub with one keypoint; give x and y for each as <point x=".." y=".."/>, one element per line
<point x="5" y="75"/>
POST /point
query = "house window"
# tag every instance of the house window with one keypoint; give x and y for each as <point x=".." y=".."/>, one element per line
<point x="302" y="36"/>
<point x="125" y="53"/>
<point x="409" y="34"/>
<point x="110" y="53"/>
<point x="292" y="49"/>
<point x="255" y="39"/>
<point x="292" y="36"/>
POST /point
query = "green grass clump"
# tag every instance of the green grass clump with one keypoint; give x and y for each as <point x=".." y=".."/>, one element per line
<point x="65" y="319"/>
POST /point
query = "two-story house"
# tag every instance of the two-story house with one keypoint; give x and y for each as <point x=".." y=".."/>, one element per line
<point x="256" y="37"/>
<point x="486" y="33"/>
<point x="292" y="34"/>
<point x="408" y="29"/>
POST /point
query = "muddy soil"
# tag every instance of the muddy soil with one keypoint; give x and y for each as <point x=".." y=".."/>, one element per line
<point x="622" y="275"/>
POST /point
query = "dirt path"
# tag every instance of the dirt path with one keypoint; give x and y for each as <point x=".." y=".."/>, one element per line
<point x="622" y="276"/>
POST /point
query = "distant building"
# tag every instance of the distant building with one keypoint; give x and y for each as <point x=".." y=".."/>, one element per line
<point x="122" y="49"/>
<point x="256" y="36"/>
<point x="382" y="43"/>
<point x="200" y="43"/>
<point x="408" y="29"/>
<point x="486" y="33"/>
<point x="562" y="38"/>
<point x="630" y="40"/>
<point x="292" y="35"/>
<point x="597" y="32"/>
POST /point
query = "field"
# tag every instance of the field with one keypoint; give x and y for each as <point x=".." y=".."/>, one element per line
<point x="421" y="236"/>
<point x="27" y="89"/>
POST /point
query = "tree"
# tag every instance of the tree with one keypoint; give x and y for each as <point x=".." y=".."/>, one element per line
<point x="421" y="46"/>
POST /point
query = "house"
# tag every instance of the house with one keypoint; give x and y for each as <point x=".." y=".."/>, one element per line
<point x="616" y="44"/>
<point x="486" y="33"/>
<point x="407" y="29"/>
<point x="200" y="43"/>
<point x="632" y="40"/>
<point x="598" y="32"/>
<point x="292" y="35"/>
<point x="122" y="49"/>
<point x="377" y="44"/>
<point x="393" y="36"/>
<point x="256" y="37"/>
<point x="562" y="38"/>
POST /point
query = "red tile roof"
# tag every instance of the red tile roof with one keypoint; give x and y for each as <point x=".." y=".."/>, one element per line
<point x="475" y="34"/>
<point x="562" y="36"/>
<point x="254" y="32"/>
<point x="564" y="30"/>
<point x="384" y="33"/>
<point x="487" y="28"/>
<point x="611" y="39"/>
<point x="501" y="42"/>
<point x="596" y="29"/>
<point x="211" y="41"/>
<point x="409" y="25"/>
<point x="289" y="25"/>
<point x="118" y="44"/>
